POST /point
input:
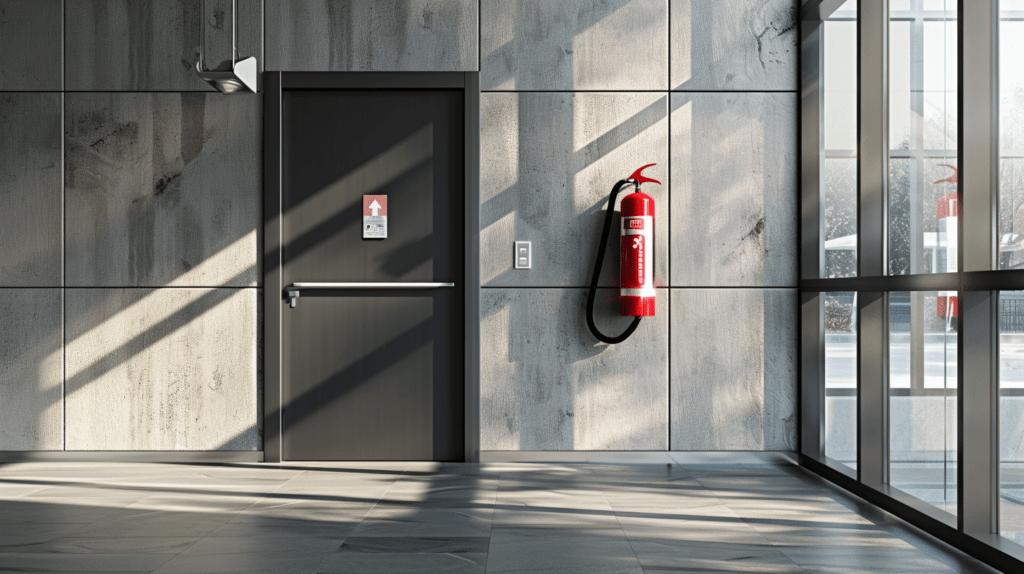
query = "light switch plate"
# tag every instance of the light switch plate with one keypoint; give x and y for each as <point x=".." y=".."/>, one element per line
<point x="523" y="255"/>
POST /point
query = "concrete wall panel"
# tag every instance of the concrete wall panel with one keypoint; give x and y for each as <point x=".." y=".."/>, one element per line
<point x="30" y="190"/>
<point x="548" y="162"/>
<point x="31" y="370"/>
<point x="547" y="384"/>
<point x="30" y="45"/>
<point x="163" y="189"/>
<point x="162" y="369"/>
<point x="734" y="211"/>
<point x="129" y="45"/>
<point x="734" y="369"/>
<point x="734" y="44"/>
<point x="581" y="45"/>
<point x="346" y="35"/>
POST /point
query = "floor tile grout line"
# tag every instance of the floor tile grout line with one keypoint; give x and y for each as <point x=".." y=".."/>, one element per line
<point x="625" y="536"/>
<point x="490" y="531"/>
<point x="237" y="513"/>
<point x="769" y="543"/>
<point x="363" y="518"/>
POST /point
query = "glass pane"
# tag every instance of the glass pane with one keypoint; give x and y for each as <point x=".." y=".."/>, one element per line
<point x="840" y="202"/>
<point x="1011" y="415"/>
<point x="839" y="198"/>
<point x="840" y="84"/>
<point x="923" y="396"/>
<point x="1011" y="137"/>
<point x="841" y="378"/>
<point x="923" y="138"/>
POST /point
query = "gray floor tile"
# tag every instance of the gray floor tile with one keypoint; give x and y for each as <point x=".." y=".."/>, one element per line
<point x="393" y="545"/>
<point x="658" y="557"/>
<point x="264" y="545"/>
<point x="22" y="537"/>
<point x="865" y="560"/>
<point x="311" y="511"/>
<point x="286" y="529"/>
<point x="456" y="522"/>
<point x="404" y="563"/>
<point x="692" y="526"/>
<point x="82" y="562"/>
<point x="130" y="523"/>
<point x="428" y="517"/>
<point x="119" y="545"/>
<point x="248" y="563"/>
<point x="59" y="510"/>
<point x="560" y="549"/>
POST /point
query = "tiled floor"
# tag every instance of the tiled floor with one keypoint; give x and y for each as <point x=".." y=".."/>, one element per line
<point x="465" y="518"/>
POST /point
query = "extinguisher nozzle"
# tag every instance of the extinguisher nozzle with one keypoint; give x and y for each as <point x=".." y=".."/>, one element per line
<point x="639" y="178"/>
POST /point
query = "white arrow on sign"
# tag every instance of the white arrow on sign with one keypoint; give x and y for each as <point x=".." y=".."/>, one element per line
<point x="374" y="208"/>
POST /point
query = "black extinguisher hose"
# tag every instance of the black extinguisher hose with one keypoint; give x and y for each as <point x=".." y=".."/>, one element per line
<point x="602" y="247"/>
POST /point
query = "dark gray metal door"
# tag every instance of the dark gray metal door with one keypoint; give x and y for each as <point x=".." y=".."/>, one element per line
<point x="372" y="371"/>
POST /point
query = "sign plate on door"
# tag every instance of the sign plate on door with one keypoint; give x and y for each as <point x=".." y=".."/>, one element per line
<point x="375" y="217"/>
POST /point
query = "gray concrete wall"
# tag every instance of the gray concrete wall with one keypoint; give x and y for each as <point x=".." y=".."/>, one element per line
<point x="135" y="281"/>
<point x="131" y="228"/>
<point x="577" y="95"/>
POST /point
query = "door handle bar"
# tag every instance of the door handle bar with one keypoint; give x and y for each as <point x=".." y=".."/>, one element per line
<point x="295" y="288"/>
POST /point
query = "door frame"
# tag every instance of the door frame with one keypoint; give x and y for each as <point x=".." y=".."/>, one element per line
<point x="274" y="296"/>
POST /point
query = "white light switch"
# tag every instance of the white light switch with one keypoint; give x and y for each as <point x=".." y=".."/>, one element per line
<point x="523" y="256"/>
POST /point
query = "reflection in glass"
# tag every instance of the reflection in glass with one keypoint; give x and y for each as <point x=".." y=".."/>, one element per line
<point x="841" y="377"/>
<point x="1011" y="136"/>
<point x="923" y="397"/>
<point x="839" y="168"/>
<point x="923" y="77"/>
<point x="1011" y="415"/>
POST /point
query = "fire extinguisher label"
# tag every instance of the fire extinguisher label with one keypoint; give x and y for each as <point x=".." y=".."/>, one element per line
<point x="636" y="262"/>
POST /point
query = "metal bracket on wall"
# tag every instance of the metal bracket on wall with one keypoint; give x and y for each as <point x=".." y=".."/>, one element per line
<point x="243" y="73"/>
<point x="293" y="298"/>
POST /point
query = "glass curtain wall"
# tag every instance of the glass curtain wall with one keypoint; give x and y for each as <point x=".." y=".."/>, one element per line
<point x="1011" y="415"/>
<point x="1011" y="135"/>
<point x="912" y="262"/>
<point x="1011" y="256"/>
<point x="922" y="136"/>
<point x="841" y="378"/>
<point x="839" y="204"/>
<point x="922" y="238"/>
<point x="922" y="399"/>
<point x="839" y="166"/>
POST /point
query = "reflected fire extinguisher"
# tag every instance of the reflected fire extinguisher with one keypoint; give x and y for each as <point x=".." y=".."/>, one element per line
<point x="947" y="210"/>
<point x="636" y="256"/>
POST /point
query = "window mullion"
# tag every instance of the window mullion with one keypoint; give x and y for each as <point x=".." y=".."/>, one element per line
<point x="812" y="375"/>
<point x="872" y="184"/>
<point x="812" y="235"/>
<point x="978" y="377"/>
<point x="872" y="388"/>
<point x="872" y="121"/>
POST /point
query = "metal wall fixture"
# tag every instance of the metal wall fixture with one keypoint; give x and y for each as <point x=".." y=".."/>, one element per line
<point x="295" y="289"/>
<point x="243" y="73"/>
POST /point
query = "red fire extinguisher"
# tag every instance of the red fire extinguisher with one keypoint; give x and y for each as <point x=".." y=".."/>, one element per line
<point x="636" y="256"/>
<point x="947" y="211"/>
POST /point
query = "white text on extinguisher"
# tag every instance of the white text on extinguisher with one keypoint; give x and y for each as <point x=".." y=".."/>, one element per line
<point x="638" y="244"/>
